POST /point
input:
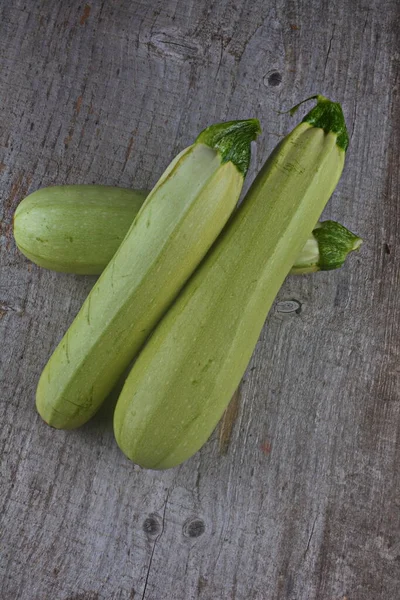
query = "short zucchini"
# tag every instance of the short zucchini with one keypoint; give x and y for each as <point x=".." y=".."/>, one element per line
<point x="180" y="219"/>
<point x="78" y="228"/>
<point x="75" y="228"/>
<point x="187" y="372"/>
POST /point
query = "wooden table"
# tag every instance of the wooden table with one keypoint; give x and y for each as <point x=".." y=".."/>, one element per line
<point x="301" y="501"/>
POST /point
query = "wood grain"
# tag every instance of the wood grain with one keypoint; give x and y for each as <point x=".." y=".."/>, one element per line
<point x="305" y="503"/>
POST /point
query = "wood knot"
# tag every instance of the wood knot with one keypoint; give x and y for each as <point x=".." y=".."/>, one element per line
<point x="152" y="525"/>
<point x="175" y="45"/>
<point x="273" y="78"/>
<point x="193" y="528"/>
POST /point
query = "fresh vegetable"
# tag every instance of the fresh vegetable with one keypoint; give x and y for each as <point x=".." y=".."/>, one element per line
<point x="187" y="372"/>
<point x="181" y="218"/>
<point x="75" y="228"/>
<point x="78" y="228"/>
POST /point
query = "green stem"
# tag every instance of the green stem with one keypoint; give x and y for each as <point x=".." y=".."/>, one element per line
<point x="328" y="116"/>
<point x="326" y="249"/>
<point x="232" y="140"/>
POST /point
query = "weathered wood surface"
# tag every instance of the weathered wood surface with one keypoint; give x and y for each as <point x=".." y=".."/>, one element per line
<point x="304" y="502"/>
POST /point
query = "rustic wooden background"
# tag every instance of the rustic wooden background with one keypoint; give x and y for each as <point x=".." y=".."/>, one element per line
<point x="301" y="500"/>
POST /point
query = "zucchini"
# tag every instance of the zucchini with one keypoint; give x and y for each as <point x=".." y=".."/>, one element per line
<point x="180" y="219"/>
<point x="75" y="228"/>
<point x="78" y="228"/>
<point x="187" y="372"/>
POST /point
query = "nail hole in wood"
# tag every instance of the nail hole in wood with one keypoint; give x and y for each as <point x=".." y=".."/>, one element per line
<point x="274" y="79"/>
<point x="289" y="306"/>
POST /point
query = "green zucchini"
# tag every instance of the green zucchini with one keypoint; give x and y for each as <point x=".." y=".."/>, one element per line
<point x="187" y="372"/>
<point x="78" y="228"/>
<point x="180" y="219"/>
<point x="75" y="228"/>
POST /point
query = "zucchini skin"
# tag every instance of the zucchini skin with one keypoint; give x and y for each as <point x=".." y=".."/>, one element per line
<point x="75" y="228"/>
<point x="187" y="372"/>
<point x="180" y="219"/>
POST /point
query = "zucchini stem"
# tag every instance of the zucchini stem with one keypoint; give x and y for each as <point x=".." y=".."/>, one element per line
<point x="326" y="249"/>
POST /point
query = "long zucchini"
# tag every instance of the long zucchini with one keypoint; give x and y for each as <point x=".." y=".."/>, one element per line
<point x="78" y="228"/>
<point x="187" y="372"/>
<point x="181" y="218"/>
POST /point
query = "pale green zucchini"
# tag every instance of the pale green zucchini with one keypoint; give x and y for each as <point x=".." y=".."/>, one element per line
<point x="181" y="218"/>
<point x="78" y="228"/>
<point x="75" y="228"/>
<point x="187" y="372"/>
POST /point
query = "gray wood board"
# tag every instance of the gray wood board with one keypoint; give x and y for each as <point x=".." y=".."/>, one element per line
<point x="303" y="502"/>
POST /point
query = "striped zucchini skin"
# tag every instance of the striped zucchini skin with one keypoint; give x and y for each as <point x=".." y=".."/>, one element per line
<point x="177" y="224"/>
<point x="75" y="228"/>
<point x="187" y="372"/>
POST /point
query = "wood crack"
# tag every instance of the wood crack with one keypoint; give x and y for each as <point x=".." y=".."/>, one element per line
<point x="354" y="119"/>
<point x="154" y="547"/>
<point x="8" y="308"/>
<point x="228" y="423"/>
<point x="355" y="100"/>
<point x="310" y="537"/>
<point x="329" y="49"/>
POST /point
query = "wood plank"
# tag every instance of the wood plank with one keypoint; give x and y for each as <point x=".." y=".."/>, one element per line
<point x="305" y="502"/>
